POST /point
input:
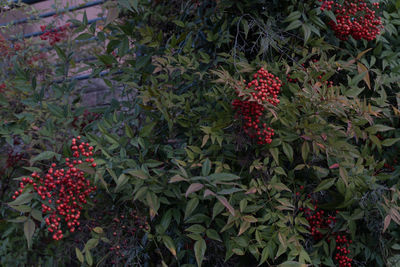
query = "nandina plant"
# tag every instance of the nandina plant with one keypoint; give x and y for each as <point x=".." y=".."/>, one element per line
<point x="356" y="18"/>
<point x="61" y="191"/>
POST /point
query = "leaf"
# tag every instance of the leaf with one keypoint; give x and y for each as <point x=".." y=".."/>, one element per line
<point x="295" y="15"/>
<point x="199" y="251"/>
<point x="22" y="208"/>
<point x="362" y="69"/>
<point x="147" y="129"/>
<point x="343" y="175"/>
<point x="275" y="154"/>
<point x="224" y="177"/>
<point x="378" y="128"/>
<point x="249" y="218"/>
<point x="288" y="150"/>
<point x="112" y="14"/>
<point x="390" y="141"/>
<point x="292" y="264"/>
<point x="193" y="188"/>
<point x="325" y="184"/>
<point x="334" y="166"/>
<point x="307" y="32"/>
<point x="243" y="227"/>
<point x="29" y="230"/>
<point x="386" y="223"/>
<point x="208" y="192"/>
<point x="212" y="234"/>
<point x="139" y="174"/>
<point x="196" y="228"/>
<point x="293" y="25"/>
<point x="89" y="258"/>
<point x="205" y="170"/>
<point x="26" y="197"/>
<point x="363" y="53"/>
<point x="84" y="36"/>
<point x="37" y="215"/>
<point x="225" y="202"/>
<point x="85" y="167"/>
<point x="19" y="219"/>
<point x="191" y="206"/>
<point x="90" y="244"/>
<point x="305" y="149"/>
<point x="79" y="255"/>
<point x="122" y="180"/>
<point x="177" y="178"/>
<point x="44" y="156"/>
<point x="98" y="230"/>
<point x="169" y="244"/>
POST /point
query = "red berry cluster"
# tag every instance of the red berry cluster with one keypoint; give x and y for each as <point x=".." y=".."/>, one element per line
<point x="342" y="251"/>
<point x="264" y="87"/>
<point x="355" y="18"/>
<point x="54" y="35"/>
<point x="65" y="189"/>
<point x="87" y="117"/>
<point x="13" y="158"/>
<point x="318" y="220"/>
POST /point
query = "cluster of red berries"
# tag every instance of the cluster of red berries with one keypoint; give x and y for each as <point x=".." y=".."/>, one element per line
<point x="13" y="158"/>
<point x="65" y="189"/>
<point x="264" y="87"/>
<point x="354" y="18"/>
<point x="342" y="251"/>
<point x="318" y="220"/>
<point x="87" y="117"/>
<point x="54" y="35"/>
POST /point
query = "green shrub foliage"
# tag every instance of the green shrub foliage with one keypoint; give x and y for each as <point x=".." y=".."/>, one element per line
<point x="182" y="178"/>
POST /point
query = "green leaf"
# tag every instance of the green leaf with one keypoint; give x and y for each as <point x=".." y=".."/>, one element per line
<point x="199" y="251"/>
<point x="22" y="208"/>
<point x="191" y="206"/>
<point x="46" y="155"/>
<point x="275" y="154"/>
<point x="169" y="244"/>
<point x="224" y="177"/>
<point x="293" y="25"/>
<point x="205" y="170"/>
<point x="90" y="244"/>
<point x="37" y="215"/>
<point x="295" y="15"/>
<point x="29" y="230"/>
<point x="139" y="174"/>
<point x="84" y="36"/>
<point x="325" y="184"/>
<point x="378" y="128"/>
<point x="122" y="180"/>
<point x="306" y="32"/>
<point x="288" y="150"/>
<point x="292" y="264"/>
<point x="390" y="141"/>
<point x="89" y="258"/>
<point x="212" y="234"/>
<point x="79" y="255"/>
<point x="147" y="129"/>
<point x="98" y="230"/>
<point x="26" y="197"/>
<point x="196" y="228"/>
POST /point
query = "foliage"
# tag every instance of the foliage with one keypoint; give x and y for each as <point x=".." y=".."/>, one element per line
<point x="178" y="180"/>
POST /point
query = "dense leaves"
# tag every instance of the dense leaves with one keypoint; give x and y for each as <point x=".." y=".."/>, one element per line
<point x="179" y="179"/>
